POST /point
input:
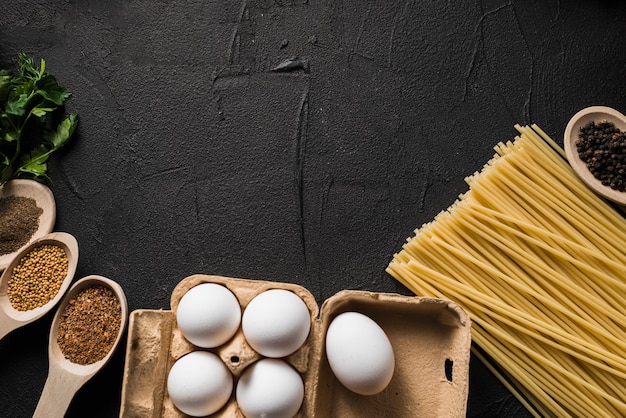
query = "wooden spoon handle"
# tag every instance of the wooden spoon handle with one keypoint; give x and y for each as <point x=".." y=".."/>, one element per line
<point x="57" y="394"/>
<point x="6" y="325"/>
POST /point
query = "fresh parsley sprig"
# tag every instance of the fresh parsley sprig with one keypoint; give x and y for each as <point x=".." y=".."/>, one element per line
<point x="30" y="127"/>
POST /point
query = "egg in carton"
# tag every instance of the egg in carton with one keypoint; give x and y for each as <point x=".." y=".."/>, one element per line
<point x="430" y="339"/>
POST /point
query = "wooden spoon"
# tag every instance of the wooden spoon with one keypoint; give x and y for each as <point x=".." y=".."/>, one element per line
<point x="45" y="200"/>
<point x="11" y="318"/>
<point x="65" y="377"/>
<point x="595" y="114"/>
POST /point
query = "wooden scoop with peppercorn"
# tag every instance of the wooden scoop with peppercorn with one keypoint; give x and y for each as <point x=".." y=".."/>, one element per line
<point x="36" y="280"/>
<point x="85" y="332"/>
<point x="595" y="146"/>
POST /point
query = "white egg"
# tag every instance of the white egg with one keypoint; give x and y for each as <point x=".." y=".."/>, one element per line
<point x="359" y="353"/>
<point x="276" y="323"/>
<point x="208" y="315"/>
<point x="199" y="383"/>
<point x="270" y="388"/>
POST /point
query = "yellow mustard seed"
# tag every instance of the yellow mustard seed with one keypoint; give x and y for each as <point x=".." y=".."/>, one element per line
<point x="37" y="278"/>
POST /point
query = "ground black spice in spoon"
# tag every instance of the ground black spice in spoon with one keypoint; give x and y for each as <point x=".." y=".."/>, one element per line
<point x="19" y="220"/>
<point x="89" y="325"/>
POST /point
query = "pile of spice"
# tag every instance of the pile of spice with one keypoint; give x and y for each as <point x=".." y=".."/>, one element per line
<point x="602" y="147"/>
<point x="37" y="277"/>
<point x="89" y="325"/>
<point x="19" y="220"/>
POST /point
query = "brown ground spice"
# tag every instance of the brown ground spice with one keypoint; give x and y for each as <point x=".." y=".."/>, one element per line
<point x="19" y="220"/>
<point x="89" y="325"/>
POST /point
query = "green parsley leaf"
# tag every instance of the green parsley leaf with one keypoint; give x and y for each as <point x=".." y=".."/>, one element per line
<point x="6" y="79"/>
<point x="40" y="111"/>
<point x="29" y="127"/>
<point x="17" y="105"/>
<point x="27" y="66"/>
<point x="49" y="89"/>
<point x="64" y="131"/>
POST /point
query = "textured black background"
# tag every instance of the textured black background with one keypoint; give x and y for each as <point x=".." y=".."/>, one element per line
<point x="195" y="155"/>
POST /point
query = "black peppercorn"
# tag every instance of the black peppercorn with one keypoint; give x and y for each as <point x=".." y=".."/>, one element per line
<point x="602" y="147"/>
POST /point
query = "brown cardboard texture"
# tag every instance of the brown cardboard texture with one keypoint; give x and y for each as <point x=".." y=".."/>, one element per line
<point x="430" y="339"/>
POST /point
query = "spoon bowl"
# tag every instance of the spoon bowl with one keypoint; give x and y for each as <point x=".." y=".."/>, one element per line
<point x="580" y="119"/>
<point x="44" y="199"/>
<point x="64" y="376"/>
<point x="11" y="318"/>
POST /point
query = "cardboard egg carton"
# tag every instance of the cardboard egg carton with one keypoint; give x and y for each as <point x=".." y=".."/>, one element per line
<point x="430" y="339"/>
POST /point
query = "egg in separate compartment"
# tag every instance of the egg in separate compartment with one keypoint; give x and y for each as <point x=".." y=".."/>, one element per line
<point x="208" y="315"/>
<point x="359" y="353"/>
<point x="199" y="383"/>
<point x="270" y="388"/>
<point x="276" y="323"/>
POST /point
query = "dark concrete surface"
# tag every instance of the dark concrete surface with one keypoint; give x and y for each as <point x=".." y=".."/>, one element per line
<point x="295" y="141"/>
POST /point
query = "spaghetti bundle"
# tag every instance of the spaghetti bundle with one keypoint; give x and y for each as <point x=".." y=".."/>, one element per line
<point x="539" y="263"/>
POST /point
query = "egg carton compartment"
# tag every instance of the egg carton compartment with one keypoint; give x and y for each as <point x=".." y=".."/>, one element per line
<point x="430" y="339"/>
<point x="431" y="343"/>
